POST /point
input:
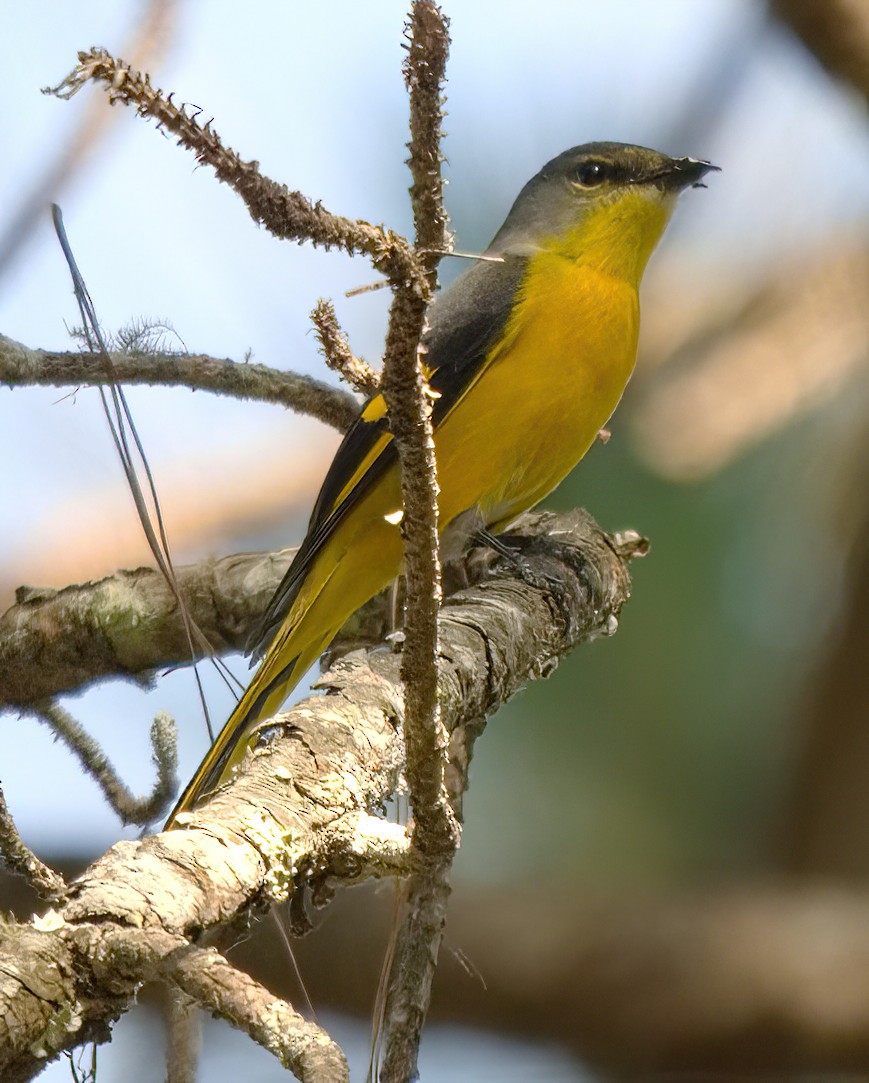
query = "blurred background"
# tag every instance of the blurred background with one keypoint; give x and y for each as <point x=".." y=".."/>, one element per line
<point x="667" y="843"/>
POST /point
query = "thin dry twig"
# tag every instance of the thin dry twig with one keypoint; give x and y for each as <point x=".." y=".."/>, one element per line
<point x="95" y="763"/>
<point x="285" y="214"/>
<point x="434" y="832"/>
<point x="336" y="351"/>
<point x="21" y="366"/>
<point x="45" y="881"/>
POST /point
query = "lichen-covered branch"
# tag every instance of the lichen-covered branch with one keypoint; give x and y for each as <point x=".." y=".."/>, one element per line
<point x="21" y="366"/>
<point x="127" y="625"/>
<point x="95" y="762"/>
<point x="62" y="983"/>
<point x="276" y="828"/>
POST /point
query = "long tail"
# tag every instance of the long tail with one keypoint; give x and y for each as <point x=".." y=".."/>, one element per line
<point x="270" y="686"/>
<point x="325" y="601"/>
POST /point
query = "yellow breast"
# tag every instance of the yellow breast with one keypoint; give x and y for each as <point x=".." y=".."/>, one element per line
<point x="549" y="386"/>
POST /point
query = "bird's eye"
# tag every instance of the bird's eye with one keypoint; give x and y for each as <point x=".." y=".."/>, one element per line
<point x="590" y="174"/>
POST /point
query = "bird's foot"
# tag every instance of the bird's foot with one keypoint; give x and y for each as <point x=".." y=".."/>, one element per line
<point x="538" y="560"/>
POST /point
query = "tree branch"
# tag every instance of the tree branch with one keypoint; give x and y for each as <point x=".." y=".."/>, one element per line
<point x="434" y="831"/>
<point x="21" y="366"/>
<point x="94" y="762"/>
<point x="274" y="829"/>
<point x="337" y="353"/>
<point x="45" y="881"/>
<point x="128" y="625"/>
<point x="285" y="214"/>
<point x="407" y="396"/>
<point x="302" y="1047"/>
<point x="424" y="74"/>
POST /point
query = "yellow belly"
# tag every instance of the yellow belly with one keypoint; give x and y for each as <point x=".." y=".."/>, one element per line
<point x="537" y="407"/>
<point x="551" y="384"/>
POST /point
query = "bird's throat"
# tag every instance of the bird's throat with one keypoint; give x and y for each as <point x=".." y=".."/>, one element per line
<point x="618" y="237"/>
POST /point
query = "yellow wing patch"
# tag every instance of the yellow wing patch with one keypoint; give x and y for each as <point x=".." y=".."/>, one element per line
<point x="374" y="411"/>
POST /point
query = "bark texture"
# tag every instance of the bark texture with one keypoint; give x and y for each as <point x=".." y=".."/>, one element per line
<point x="297" y="820"/>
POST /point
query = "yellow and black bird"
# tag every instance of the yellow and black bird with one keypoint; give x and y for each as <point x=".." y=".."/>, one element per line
<point x="528" y="358"/>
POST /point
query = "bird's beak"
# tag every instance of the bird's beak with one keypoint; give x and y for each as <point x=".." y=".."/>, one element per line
<point x="682" y="172"/>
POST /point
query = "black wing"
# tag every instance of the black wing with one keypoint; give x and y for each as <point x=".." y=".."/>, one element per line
<point x="465" y="322"/>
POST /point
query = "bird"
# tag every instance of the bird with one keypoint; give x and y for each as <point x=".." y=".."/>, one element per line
<point x="527" y="354"/>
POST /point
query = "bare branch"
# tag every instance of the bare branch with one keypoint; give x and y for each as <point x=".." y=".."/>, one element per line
<point x="405" y="390"/>
<point x="184" y="1036"/>
<point x="424" y="70"/>
<point x="407" y="398"/>
<point x="45" y="881"/>
<point x="302" y="1047"/>
<point x="95" y="763"/>
<point x="21" y="366"/>
<point x="289" y="215"/>
<point x="337" y="353"/>
<point x="435" y="832"/>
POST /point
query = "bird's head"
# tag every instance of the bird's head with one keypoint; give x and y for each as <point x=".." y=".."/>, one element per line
<point x="603" y="203"/>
